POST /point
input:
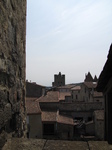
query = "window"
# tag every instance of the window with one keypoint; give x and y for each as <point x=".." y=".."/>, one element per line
<point x="97" y="100"/>
<point x="83" y="98"/>
<point x="76" y="96"/>
<point x="72" y="95"/>
<point x="89" y="95"/>
<point x="48" y="129"/>
<point x="79" y="118"/>
<point x="89" y="118"/>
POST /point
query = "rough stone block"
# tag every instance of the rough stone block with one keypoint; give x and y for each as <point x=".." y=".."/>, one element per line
<point x="12" y="63"/>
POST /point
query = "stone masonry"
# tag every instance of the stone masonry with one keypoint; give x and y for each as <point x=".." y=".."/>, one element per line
<point x="12" y="68"/>
<point x="42" y="144"/>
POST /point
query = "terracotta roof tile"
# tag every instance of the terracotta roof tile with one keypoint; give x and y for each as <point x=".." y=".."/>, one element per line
<point x="49" y="116"/>
<point x="32" y="107"/>
<point x="52" y="96"/>
<point x="65" y="120"/>
<point x="62" y="95"/>
<point x="90" y="84"/>
<point x="76" y="88"/>
<point x="31" y="98"/>
<point x="89" y="77"/>
<point x="68" y="86"/>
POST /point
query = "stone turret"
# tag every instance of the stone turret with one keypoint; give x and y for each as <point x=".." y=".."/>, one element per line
<point x="59" y="80"/>
<point x="88" y="77"/>
<point x="95" y="79"/>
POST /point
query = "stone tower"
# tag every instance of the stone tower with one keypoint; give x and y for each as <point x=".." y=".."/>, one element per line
<point x="88" y="77"/>
<point x="59" y="80"/>
<point x="12" y="68"/>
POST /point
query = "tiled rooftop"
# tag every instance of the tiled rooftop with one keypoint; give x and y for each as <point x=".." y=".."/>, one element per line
<point x="31" y="98"/>
<point x="64" y="120"/>
<point x="90" y="84"/>
<point x="32" y="107"/>
<point x="76" y="88"/>
<point x="67" y="86"/>
<point x="63" y="94"/>
<point x="52" y="96"/>
<point x="51" y="116"/>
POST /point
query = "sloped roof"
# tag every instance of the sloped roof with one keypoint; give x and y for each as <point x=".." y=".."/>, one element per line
<point x="49" y="116"/>
<point x="31" y="98"/>
<point x="106" y="73"/>
<point x="35" y="83"/>
<point x="32" y="107"/>
<point x="90" y="84"/>
<point x="62" y="95"/>
<point x="52" y="96"/>
<point x="54" y="116"/>
<point x="76" y="88"/>
<point x="33" y="89"/>
<point x="67" y="86"/>
<point x="89" y="78"/>
<point x="64" y="120"/>
<point x="95" y="79"/>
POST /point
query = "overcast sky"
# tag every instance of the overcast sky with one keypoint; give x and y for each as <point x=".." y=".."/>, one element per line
<point x="67" y="36"/>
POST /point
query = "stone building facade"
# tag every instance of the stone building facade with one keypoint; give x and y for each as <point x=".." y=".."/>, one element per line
<point x="99" y="124"/>
<point x="34" y="123"/>
<point x="81" y="93"/>
<point x="12" y="68"/>
<point x="34" y="90"/>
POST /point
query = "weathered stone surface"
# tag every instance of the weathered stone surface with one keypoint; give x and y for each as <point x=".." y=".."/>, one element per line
<point x="68" y="145"/>
<point x="98" y="145"/>
<point x="42" y="144"/>
<point x="7" y="112"/>
<point x="24" y="144"/>
<point x="1" y="118"/>
<point x="12" y="66"/>
<point x="110" y="147"/>
<point x="3" y="138"/>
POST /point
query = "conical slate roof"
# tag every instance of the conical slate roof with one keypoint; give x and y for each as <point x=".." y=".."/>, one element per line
<point x="88" y="78"/>
<point x="95" y="79"/>
<point x="106" y="73"/>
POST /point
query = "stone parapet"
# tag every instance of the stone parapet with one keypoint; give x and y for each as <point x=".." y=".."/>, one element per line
<point x="42" y="144"/>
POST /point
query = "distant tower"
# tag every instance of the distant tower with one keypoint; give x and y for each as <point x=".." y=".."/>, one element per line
<point x="95" y="79"/>
<point x="88" y="77"/>
<point x="59" y="80"/>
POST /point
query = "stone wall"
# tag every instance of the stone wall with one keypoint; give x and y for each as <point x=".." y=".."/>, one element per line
<point x="77" y="106"/>
<point x="12" y="68"/>
<point x="99" y="129"/>
<point x="34" y="90"/>
<point x="35" y="126"/>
